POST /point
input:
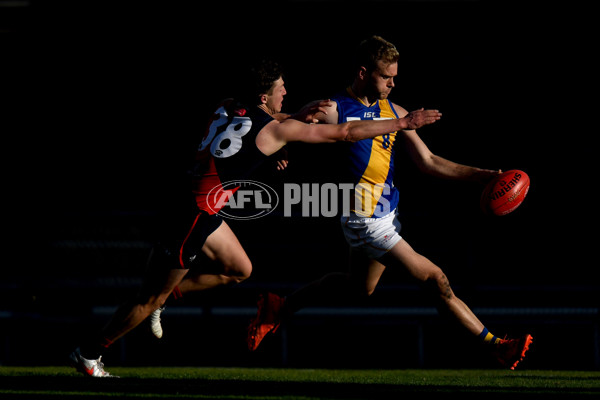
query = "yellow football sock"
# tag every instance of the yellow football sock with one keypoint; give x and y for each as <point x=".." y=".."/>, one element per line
<point x="487" y="337"/>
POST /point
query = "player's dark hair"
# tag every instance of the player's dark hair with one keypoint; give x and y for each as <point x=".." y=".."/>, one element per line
<point x="265" y="73"/>
<point x="257" y="79"/>
<point x="375" y="49"/>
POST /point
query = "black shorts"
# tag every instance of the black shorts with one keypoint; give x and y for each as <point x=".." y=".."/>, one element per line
<point x="180" y="247"/>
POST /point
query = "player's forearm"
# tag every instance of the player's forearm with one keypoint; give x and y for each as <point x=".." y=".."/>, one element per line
<point x="443" y="168"/>
<point x="353" y="131"/>
<point x="411" y="121"/>
<point x="359" y="130"/>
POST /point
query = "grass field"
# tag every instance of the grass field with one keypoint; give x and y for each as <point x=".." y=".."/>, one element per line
<point x="271" y="383"/>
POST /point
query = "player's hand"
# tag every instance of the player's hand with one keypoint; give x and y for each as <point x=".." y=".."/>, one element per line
<point x="282" y="159"/>
<point x="485" y="176"/>
<point x="418" y="118"/>
<point x="282" y="164"/>
<point x="308" y="112"/>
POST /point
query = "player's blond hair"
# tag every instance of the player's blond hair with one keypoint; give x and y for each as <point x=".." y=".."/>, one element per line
<point x="375" y="49"/>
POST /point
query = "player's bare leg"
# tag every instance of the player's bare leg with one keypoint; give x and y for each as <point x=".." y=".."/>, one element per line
<point x="154" y="292"/>
<point x="325" y="290"/>
<point x="362" y="281"/>
<point x="333" y="288"/>
<point x="338" y="287"/>
<point x="365" y="273"/>
<point x="131" y="314"/>
<point x="232" y="262"/>
<point x="163" y="275"/>
<point x="230" y="265"/>
<point x="508" y="352"/>
<point x="434" y="280"/>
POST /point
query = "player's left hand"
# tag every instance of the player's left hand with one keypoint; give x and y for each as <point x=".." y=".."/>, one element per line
<point x="282" y="159"/>
<point x="419" y="118"/>
<point x="308" y="112"/>
<point x="282" y="164"/>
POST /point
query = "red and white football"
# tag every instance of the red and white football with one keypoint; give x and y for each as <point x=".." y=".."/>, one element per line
<point x="505" y="192"/>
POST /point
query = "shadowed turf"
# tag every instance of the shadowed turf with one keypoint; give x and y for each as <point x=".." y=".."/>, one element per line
<point x="272" y="383"/>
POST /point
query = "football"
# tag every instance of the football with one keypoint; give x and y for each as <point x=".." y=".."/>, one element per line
<point x="503" y="194"/>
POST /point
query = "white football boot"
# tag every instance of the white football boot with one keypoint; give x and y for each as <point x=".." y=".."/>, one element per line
<point x="93" y="368"/>
<point x="155" y="325"/>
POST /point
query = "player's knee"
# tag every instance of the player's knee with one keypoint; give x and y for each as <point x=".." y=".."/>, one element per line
<point x="156" y="303"/>
<point x="437" y="282"/>
<point x="360" y="289"/>
<point x="239" y="270"/>
<point x="243" y="274"/>
<point x="368" y="291"/>
<point x="147" y="304"/>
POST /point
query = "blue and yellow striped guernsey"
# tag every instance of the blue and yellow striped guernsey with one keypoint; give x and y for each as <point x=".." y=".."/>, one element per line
<point x="371" y="160"/>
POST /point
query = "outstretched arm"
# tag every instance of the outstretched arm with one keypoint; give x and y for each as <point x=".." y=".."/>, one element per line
<point x="358" y="130"/>
<point x="432" y="164"/>
<point x="276" y="134"/>
<point x="308" y="112"/>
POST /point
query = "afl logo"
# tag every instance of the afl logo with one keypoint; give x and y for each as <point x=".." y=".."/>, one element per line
<point x="243" y="199"/>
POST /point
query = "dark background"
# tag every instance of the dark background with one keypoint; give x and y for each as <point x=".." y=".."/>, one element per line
<point x="107" y="102"/>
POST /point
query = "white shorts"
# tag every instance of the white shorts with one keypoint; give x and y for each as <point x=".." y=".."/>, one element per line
<point x="373" y="236"/>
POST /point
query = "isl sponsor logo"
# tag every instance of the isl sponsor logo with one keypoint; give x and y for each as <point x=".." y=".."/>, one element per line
<point x="248" y="199"/>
